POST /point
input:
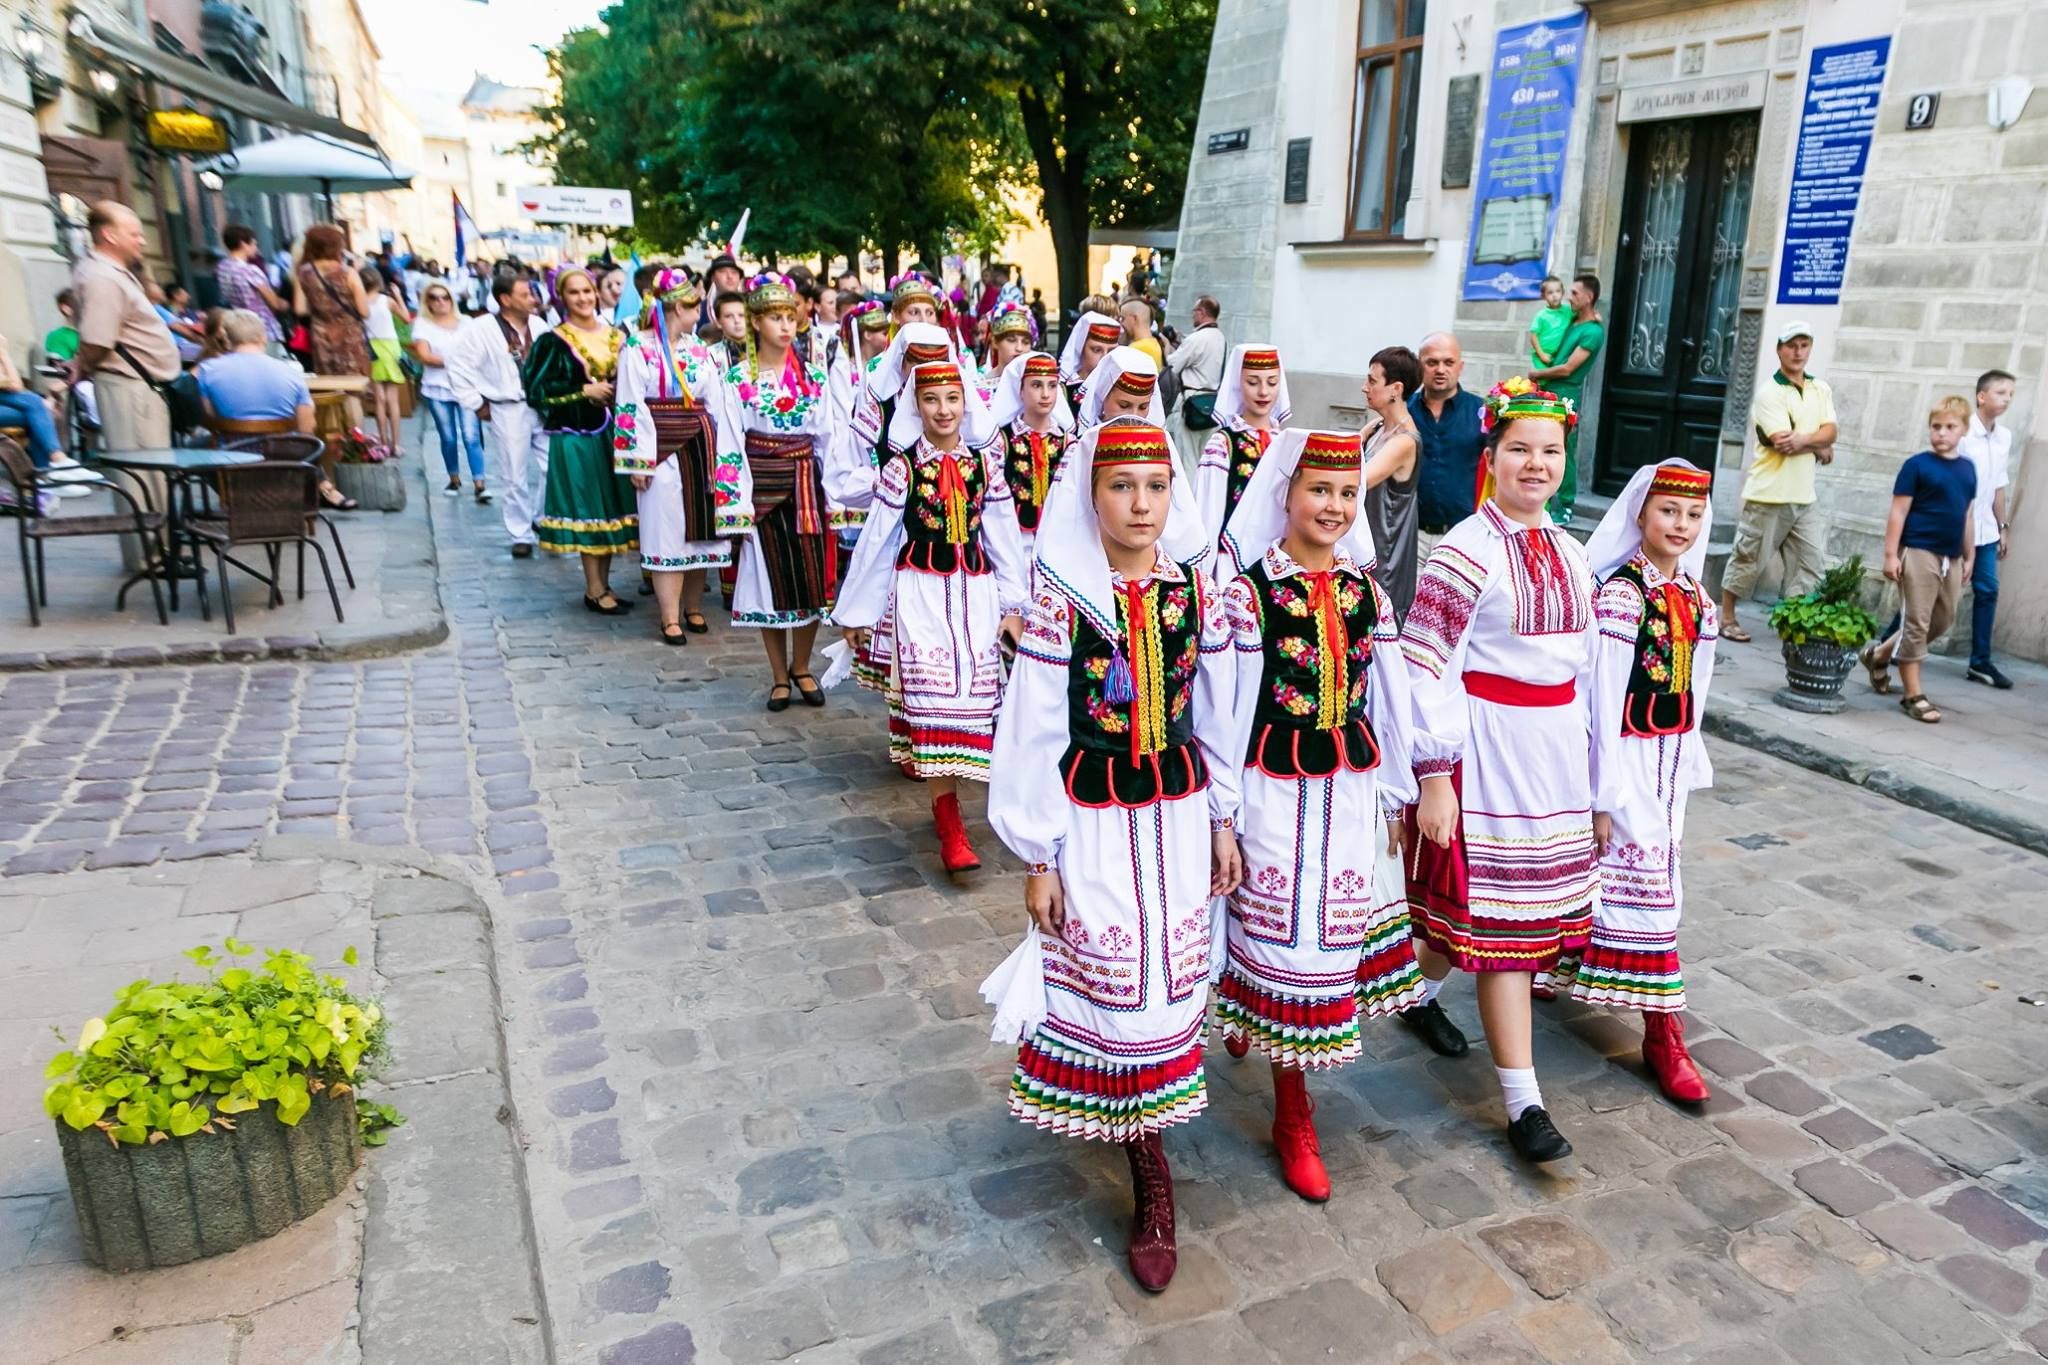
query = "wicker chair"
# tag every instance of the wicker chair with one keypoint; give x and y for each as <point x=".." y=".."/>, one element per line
<point x="34" y="526"/>
<point x="307" y="450"/>
<point x="272" y="504"/>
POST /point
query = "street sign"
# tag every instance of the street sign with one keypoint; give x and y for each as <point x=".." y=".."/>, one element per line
<point x="577" y="204"/>
<point x="1236" y="140"/>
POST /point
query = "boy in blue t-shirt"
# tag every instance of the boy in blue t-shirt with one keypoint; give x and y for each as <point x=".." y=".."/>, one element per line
<point x="1928" y="551"/>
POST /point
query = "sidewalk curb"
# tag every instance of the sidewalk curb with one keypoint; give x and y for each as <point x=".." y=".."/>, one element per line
<point x="421" y="1247"/>
<point x="1906" y="784"/>
<point x="412" y="544"/>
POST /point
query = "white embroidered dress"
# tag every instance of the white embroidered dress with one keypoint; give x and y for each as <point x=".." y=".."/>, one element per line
<point x="648" y="385"/>
<point x="776" y="502"/>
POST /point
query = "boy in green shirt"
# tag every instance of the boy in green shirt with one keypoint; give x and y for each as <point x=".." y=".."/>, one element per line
<point x="1549" y="325"/>
<point x="60" y="345"/>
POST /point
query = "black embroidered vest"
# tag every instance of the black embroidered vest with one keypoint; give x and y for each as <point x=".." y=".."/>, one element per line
<point x="1104" y="765"/>
<point x="1023" y="478"/>
<point x="929" y="544"/>
<point x="1291" y="734"/>
<point x="1244" y="460"/>
<point x="1654" y="705"/>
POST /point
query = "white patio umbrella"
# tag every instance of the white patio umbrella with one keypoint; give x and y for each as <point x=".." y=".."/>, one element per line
<point x="308" y="163"/>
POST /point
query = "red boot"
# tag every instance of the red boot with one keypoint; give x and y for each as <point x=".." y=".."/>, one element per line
<point x="1153" y="1252"/>
<point x="954" y="850"/>
<point x="1664" y="1053"/>
<point x="1294" y="1134"/>
<point x="1237" y="1044"/>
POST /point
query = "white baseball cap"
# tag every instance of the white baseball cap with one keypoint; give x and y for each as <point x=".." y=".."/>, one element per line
<point x="1794" y="329"/>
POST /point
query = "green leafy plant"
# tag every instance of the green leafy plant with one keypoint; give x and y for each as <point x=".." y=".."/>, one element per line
<point x="1832" y="612"/>
<point x="376" y="1121"/>
<point x="176" y="1058"/>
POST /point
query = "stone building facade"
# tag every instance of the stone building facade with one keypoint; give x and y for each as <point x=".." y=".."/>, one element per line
<point x="1948" y="260"/>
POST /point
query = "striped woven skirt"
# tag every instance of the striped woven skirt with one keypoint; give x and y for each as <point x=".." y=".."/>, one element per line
<point x="1119" y="1054"/>
<point x="947" y="672"/>
<point x="785" y="570"/>
<point x="1632" y="959"/>
<point x="1316" y="942"/>
<point x="1515" y="887"/>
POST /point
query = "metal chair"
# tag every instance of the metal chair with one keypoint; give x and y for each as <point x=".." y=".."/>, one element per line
<point x="272" y="504"/>
<point x="305" y="449"/>
<point x="33" y="525"/>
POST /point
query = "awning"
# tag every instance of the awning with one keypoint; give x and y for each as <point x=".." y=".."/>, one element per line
<point x="194" y="79"/>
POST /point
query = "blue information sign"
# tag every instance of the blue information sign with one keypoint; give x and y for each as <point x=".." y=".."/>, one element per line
<point x="1521" y="157"/>
<point x="1843" y="86"/>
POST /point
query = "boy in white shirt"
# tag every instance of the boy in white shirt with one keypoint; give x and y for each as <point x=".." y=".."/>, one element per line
<point x="1988" y="446"/>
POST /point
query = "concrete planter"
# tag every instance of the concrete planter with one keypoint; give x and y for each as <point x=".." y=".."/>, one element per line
<point x="1814" y="674"/>
<point x="179" y="1200"/>
<point x="378" y="487"/>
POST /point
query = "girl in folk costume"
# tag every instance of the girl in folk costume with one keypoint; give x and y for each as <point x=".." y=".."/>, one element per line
<point x="1124" y="383"/>
<point x="1321" y="717"/>
<point x="1033" y="422"/>
<point x="1093" y="337"/>
<point x="588" y="510"/>
<point x="1114" y="770"/>
<point x="1502" y="867"/>
<point x="941" y="556"/>
<point x="1652" y="661"/>
<point x="1251" y="404"/>
<point x="774" y="493"/>
<point x="863" y="336"/>
<point x="673" y="427"/>
<point x="1011" y="333"/>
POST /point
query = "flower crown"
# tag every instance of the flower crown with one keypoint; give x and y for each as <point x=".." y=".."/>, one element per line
<point x="674" y="286"/>
<point x="1012" y="317"/>
<point x="1517" y="398"/>
<point x="770" y="290"/>
<point x="910" y="286"/>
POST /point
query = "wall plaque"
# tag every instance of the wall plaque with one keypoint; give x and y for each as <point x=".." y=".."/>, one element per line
<point x="1236" y="140"/>
<point x="1461" y="121"/>
<point x="1296" y="188"/>
<point x="1692" y="98"/>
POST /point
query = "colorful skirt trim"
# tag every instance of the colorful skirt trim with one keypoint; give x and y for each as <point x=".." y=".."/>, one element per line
<point x="587" y="508"/>
<point x="1292" y="1031"/>
<point x="1625" y="970"/>
<point x="1077" y="1095"/>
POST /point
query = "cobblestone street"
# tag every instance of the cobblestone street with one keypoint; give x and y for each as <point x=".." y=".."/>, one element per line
<point x="763" y="1120"/>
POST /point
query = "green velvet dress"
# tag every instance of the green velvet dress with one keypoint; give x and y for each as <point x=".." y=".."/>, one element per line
<point x="587" y="508"/>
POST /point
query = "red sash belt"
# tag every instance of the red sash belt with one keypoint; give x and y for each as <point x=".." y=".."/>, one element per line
<point x="810" y="510"/>
<point x="1505" y="691"/>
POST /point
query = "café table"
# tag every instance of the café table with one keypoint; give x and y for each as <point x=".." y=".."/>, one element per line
<point x="183" y="468"/>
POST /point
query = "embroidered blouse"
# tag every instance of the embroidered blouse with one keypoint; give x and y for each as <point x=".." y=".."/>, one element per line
<point x="1091" y="722"/>
<point x="645" y="375"/>
<point x="763" y="408"/>
<point x="1321" y="684"/>
<point x="1653" y="660"/>
<point x="558" y="364"/>
<point x="1495" y="597"/>
<point x="941" y="512"/>
<point x="1229" y="457"/>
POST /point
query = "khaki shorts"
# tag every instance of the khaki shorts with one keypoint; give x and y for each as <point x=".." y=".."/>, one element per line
<point x="1765" y="530"/>
<point x="1927" y="601"/>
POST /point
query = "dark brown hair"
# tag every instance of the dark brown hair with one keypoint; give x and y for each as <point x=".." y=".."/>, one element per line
<point x="1400" y="366"/>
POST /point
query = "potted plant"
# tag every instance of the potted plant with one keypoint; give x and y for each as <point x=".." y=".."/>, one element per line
<point x="1821" y="631"/>
<point x="196" y="1117"/>
<point x="367" y="470"/>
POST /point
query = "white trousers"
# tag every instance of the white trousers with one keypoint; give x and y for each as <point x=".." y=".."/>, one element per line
<point x="522" y="447"/>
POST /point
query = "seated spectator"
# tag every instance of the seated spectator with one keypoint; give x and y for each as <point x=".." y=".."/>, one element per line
<point x="242" y="384"/>
<point x="21" y="406"/>
<point x="188" y="332"/>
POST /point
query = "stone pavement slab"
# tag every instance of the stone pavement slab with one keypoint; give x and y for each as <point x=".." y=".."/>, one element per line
<point x="394" y="606"/>
<point x="1985" y="765"/>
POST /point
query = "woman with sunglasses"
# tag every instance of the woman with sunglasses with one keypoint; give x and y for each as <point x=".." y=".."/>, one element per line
<point x="433" y="335"/>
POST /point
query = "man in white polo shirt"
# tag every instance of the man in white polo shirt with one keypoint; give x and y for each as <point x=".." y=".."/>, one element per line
<point x="1989" y="447"/>
<point x="1793" y="418"/>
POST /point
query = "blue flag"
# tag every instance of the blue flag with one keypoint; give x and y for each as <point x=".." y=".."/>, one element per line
<point x="627" y="313"/>
<point x="466" y="232"/>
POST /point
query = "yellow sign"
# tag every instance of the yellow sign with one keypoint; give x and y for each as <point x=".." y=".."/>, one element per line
<point x="186" y="130"/>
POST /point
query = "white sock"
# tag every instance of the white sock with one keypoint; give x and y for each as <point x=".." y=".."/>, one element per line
<point x="1432" y="989"/>
<point x="1518" y="1090"/>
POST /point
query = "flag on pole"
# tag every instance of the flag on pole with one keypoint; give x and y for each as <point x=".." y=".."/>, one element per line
<point x="626" y="313"/>
<point x="468" y="237"/>
<point x="739" y="234"/>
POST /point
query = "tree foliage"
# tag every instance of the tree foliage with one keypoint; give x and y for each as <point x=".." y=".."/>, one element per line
<point x="893" y="124"/>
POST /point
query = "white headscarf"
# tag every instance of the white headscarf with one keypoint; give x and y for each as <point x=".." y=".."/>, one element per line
<point x="1070" y="354"/>
<point x="1009" y="397"/>
<point x="889" y="373"/>
<point x="1615" y="541"/>
<point x="1261" y="515"/>
<point x="1069" y="554"/>
<point x="906" y="424"/>
<point x="1120" y="361"/>
<point x="1230" y="394"/>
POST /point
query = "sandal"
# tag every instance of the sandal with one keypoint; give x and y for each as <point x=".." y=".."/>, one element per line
<point x="780" y="703"/>
<point x="340" y="502"/>
<point x="694" y="622"/>
<point x="1919" y="708"/>
<point x="1731" y="631"/>
<point x="1880" y="673"/>
<point x="676" y="639"/>
<point x="813" y="695"/>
